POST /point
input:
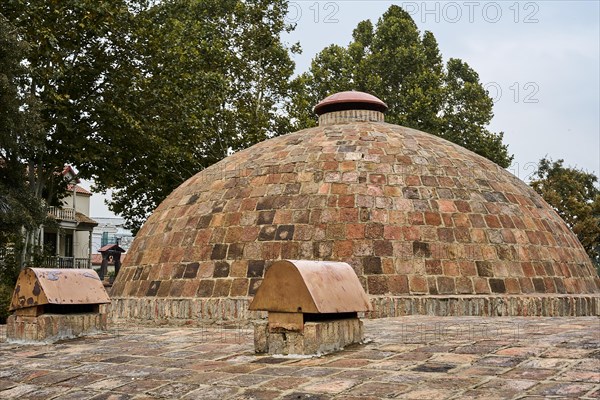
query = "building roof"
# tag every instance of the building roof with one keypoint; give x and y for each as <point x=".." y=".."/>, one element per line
<point x="68" y="169"/>
<point x="413" y="214"/>
<point x="113" y="247"/>
<point x="83" y="219"/>
<point x="79" y="190"/>
<point x="97" y="259"/>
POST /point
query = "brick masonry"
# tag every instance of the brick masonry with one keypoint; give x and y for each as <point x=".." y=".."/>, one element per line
<point x="413" y="214"/>
<point x="346" y="116"/>
<point x="49" y="328"/>
<point x="195" y="311"/>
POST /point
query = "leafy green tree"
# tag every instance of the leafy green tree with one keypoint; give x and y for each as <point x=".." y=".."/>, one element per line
<point x="403" y="67"/>
<point x="21" y="210"/>
<point x="140" y="95"/>
<point x="67" y="48"/>
<point x="575" y="196"/>
<point x="195" y="81"/>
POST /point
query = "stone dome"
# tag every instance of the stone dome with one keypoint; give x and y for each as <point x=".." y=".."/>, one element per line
<point x="419" y="218"/>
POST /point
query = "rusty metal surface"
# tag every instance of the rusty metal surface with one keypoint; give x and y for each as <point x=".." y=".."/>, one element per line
<point x="38" y="286"/>
<point x="310" y="287"/>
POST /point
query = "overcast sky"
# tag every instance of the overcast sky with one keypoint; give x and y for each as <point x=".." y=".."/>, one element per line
<point x="540" y="60"/>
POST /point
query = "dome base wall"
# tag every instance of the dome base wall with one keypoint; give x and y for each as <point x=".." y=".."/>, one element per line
<point x="202" y="311"/>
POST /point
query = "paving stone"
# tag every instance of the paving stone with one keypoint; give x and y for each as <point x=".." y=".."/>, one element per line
<point x="594" y="394"/>
<point x="76" y="395"/>
<point x="244" y="380"/>
<point x="258" y="394"/>
<point x="420" y="394"/>
<point x="270" y="360"/>
<point x="348" y="363"/>
<point x="332" y="385"/>
<point x="208" y="393"/>
<point x="499" y="361"/>
<point x="277" y="371"/>
<point x="536" y="374"/>
<point x="241" y="368"/>
<point x="81" y="380"/>
<point x="555" y="363"/>
<point x="172" y="390"/>
<point x="452" y="358"/>
<point x="384" y="368"/>
<point x="107" y="384"/>
<point x="407" y="377"/>
<point x="204" y="377"/>
<point x="6" y="384"/>
<point x="306" y="396"/>
<point x="563" y="389"/>
<point x="286" y="383"/>
<point x="347" y="397"/>
<point x="476" y="349"/>
<point x="207" y="365"/>
<point x="140" y="385"/>
<point x="111" y="396"/>
<point x="453" y="383"/>
<point x="579" y="376"/>
<point x="390" y="365"/>
<point x="588" y="364"/>
<point x="413" y="356"/>
<point x="520" y="351"/>
<point x="121" y="359"/>
<point x="509" y="385"/>
<point x="557" y="352"/>
<point x="175" y="375"/>
<point x="485" y="394"/>
<point x="54" y="378"/>
<point x="18" y="391"/>
<point x="43" y="393"/>
<point x="378" y="389"/>
<point x="317" y="371"/>
<point x="434" y="367"/>
<point x="359" y="374"/>
<point x="373" y="355"/>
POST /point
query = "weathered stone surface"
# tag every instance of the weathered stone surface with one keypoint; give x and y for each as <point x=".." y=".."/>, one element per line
<point x="316" y="338"/>
<point x="49" y="328"/>
<point x="194" y="311"/>
<point x="391" y="201"/>
<point x="412" y="357"/>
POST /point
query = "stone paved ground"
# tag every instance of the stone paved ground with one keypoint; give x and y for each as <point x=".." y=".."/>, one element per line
<point x="411" y="358"/>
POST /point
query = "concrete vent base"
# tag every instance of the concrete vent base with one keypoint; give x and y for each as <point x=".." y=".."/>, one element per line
<point x="317" y="338"/>
<point x="49" y="328"/>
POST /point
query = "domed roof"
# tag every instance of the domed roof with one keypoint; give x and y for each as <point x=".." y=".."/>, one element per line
<point x="412" y="213"/>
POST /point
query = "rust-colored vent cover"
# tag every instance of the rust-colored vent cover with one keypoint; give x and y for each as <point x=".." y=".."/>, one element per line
<point x="310" y="287"/>
<point x="39" y="286"/>
<point x="350" y="100"/>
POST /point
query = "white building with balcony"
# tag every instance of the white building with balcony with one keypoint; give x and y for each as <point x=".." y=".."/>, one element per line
<point x="68" y="243"/>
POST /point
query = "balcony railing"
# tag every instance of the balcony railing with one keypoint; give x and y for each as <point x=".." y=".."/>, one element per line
<point x="65" y="262"/>
<point x="62" y="213"/>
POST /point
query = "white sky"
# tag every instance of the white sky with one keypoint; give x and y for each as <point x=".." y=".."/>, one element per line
<point x="539" y="59"/>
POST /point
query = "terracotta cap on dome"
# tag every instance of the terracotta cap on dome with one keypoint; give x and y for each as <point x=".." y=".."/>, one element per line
<point x="349" y="107"/>
<point x="350" y="100"/>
